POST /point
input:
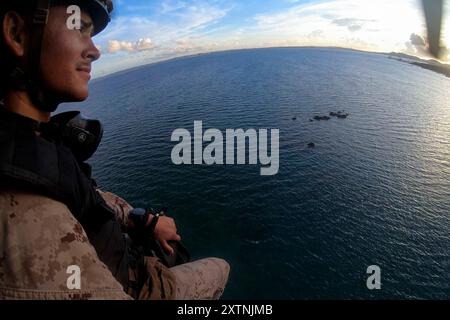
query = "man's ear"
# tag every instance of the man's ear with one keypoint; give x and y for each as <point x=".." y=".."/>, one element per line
<point x="14" y="33"/>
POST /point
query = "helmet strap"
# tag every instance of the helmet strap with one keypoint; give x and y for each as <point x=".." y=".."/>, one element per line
<point x="28" y="79"/>
<point x="39" y="21"/>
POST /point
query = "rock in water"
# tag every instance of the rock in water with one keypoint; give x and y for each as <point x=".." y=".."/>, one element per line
<point x="319" y="118"/>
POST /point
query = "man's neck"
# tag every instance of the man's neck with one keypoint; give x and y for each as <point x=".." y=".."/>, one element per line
<point x="19" y="102"/>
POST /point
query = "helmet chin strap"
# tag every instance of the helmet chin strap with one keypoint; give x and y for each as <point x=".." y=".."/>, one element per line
<point x="29" y="79"/>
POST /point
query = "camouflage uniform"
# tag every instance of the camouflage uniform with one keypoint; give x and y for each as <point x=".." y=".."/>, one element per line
<point x="197" y="280"/>
<point x="40" y="239"/>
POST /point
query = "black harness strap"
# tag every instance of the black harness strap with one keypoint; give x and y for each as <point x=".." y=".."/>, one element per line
<point x="30" y="162"/>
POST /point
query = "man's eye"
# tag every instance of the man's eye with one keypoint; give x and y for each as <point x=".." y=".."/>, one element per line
<point x="85" y="31"/>
<point x="84" y="28"/>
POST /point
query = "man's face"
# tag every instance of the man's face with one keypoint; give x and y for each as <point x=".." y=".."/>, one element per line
<point x="67" y="56"/>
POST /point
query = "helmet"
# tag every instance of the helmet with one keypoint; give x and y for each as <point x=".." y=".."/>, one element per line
<point x="100" y="10"/>
<point x="29" y="78"/>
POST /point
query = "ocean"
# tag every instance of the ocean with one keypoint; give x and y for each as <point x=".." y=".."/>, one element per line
<point x="375" y="190"/>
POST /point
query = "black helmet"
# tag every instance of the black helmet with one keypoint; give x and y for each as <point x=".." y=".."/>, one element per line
<point x="100" y="10"/>
<point x="28" y="79"/>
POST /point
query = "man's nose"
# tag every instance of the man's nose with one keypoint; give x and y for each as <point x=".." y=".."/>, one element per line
<point x="92" y="52"/>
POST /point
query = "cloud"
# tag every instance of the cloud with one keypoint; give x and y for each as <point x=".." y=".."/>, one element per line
<point x="189" y="44"/>
<point x="352" y="24"/>
<point x="409" y="48"/>
<point x="144" y="44"/>
<point x="178" y="27"/>
<point x="359" y="24"/>
<point x="174" y="20"/>
<point x="417" y="40"/>
<point x="418" y="46"/>
<point x="115" y="46"/>
<point x="140" y="8"/>
<point x="354" y="28"/>
<point x="315" y="34"/>
<point x="166" y="29"/>
<point x="168" y="6"/>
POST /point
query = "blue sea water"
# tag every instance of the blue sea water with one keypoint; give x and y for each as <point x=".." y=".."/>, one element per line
<point x="374" y="191"/>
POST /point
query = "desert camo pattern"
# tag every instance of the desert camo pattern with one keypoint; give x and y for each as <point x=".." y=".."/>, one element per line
<point x="121" y="208"/>
<point x="199" y="280"/>
<point x="39" y="240"/>
<point x="203" y="279"/>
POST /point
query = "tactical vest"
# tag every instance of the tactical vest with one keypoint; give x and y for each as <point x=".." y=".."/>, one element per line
<point x="44" y="166"/>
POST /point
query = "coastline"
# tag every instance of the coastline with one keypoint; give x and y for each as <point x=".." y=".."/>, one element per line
<point x="432" y="65"/>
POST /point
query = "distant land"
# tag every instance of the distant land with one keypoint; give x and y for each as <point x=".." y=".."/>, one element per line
<point x="192" y="55"/>
<point x="430" y="64"/>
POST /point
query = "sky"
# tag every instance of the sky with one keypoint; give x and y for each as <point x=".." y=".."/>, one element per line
<point x="147" y="31"/>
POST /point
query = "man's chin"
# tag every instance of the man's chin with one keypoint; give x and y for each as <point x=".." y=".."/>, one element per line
<point x="76" y="97"/>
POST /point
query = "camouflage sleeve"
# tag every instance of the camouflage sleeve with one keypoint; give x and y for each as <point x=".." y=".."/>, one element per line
<point x="121" y="208"/>
<point x="45" y="253"/>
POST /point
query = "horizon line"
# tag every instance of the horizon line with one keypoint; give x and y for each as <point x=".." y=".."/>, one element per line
<point x="189" y="55"/>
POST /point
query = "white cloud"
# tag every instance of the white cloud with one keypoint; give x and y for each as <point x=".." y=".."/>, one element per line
<point x="177" y="23"/>
<point x="182" y="27"/>
<point x="170" y="6"/>
<point x="144" y="44"/>
<point x="115" y="46"/>
<point x="137" y="39"/>
<point x="381" y="24"/>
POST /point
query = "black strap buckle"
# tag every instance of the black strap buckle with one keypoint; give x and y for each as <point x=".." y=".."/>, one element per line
<point x="40" y="16"/>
